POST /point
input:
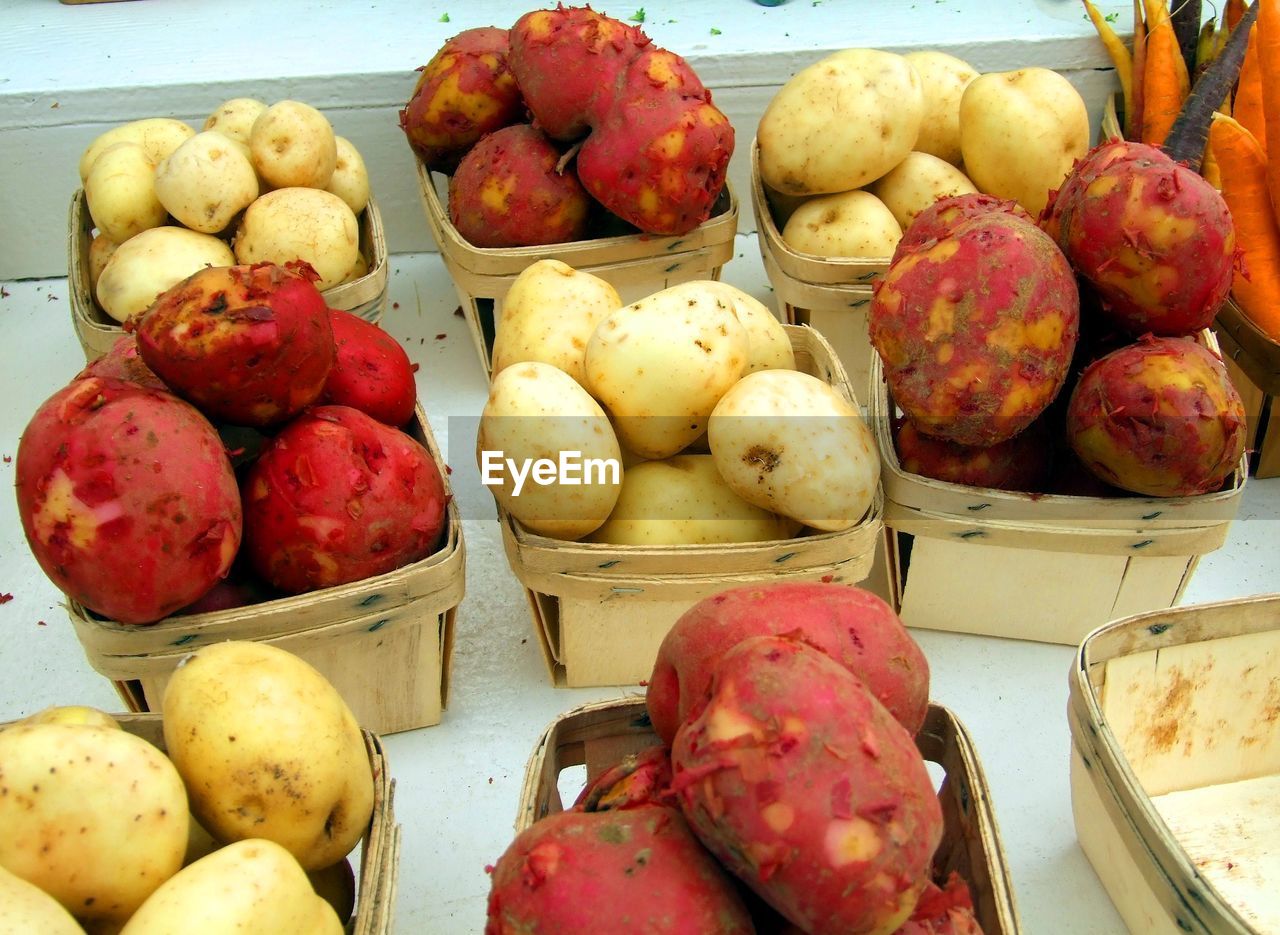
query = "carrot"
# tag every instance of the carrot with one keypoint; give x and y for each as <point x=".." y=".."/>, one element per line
<point x="1234" y="13"/>
<point x="1256" y="286"/>
<point x="1165" y="80"/>
<point x="1269" y="68"/>
<point x="1117" y="51"/>
<point x="1186" y="26"/>
<point x="1137" y="80"/>
<point x="1247" y="107"/>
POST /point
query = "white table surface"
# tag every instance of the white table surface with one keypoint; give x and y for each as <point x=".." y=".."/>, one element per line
<point x="457" y="783"/>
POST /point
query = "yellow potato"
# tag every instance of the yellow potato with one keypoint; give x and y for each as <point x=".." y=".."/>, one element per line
<point x="944" y="78"/>
<point x="848" y="224"/>
<point x="538" y="414"/>
<point x="300" y="224"/>
<point x="120" y="192"/>
<point x="917" y="182"/>
<point x="684" y="500"/>
<point x="101" y="249"/>
<point x="769" y="346"/>
<point x="293" y="145"/>
<point x="72" y="714"/>
<point x="548" y="314"/>
<point x="660" y="365"/>
<point x="268" y="749"/>
<point x="791" y="444"/>
<point x="1020" y="133"/>
<point x="361" y="268"/>
<point x="146" y="265"/>
<point x="158" y="137"/>
<point x="252" y="885"/>
<point x="350" y="179"/>
<point x="95" y="817"/>
<point x="29" y="910"/>
<point x="206" y="182"/>
<point x="235" y="118"/>
<point x="840" y="123"/>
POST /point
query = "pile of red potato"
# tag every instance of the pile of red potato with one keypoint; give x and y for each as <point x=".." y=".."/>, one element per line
<point x="134" y="505"/>
<point x="566" y="113"/>
<point x="985" y="317"/>
<point x="787" y="793"/>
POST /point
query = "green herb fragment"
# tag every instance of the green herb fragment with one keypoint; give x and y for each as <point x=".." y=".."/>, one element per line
<point x="638" y="16"/>
<point x="444" y="17"/>
<point x="714" y="31"/>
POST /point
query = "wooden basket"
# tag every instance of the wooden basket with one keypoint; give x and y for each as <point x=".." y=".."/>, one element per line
<point x="601" y="610"/>
<point x="384" y="642"/>
<point x="1052" y="566"/>
<point x="831" y="294"/>
<point x="634" y="264"/>
<point x="600" y="734"/>
<point x="1175" y="766"/>
<point x="1253" y="360"/>
<point x="97" y="331"/>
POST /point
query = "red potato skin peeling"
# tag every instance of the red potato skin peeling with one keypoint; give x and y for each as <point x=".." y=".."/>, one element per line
<point x="123" y="362"/>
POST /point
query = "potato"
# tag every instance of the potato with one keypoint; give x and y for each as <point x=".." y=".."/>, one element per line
<point x="791" y="444"/>
<point x="235" y="118"/>
<point x="300" y="224"/>
<point x="847" y="224"/>
<point x="146" y="265"/>
<point x="840" y="123"/>
<point x="534" y="413"/>
<point x="279" y="757"/>
<point x="944" y="78"/>
<point x="293" y="145"/>
<point x="683" y="500"/>
<point x="158" y="136"/>
<point x="29" y="910"/>
<point x="101" y="249"/>
<point x="96" y="817"/>
<point x="206" y="182"/>
<point x="350" y="179"/>
<point x="917" y="182"/>
<point x="121" y="192"/>
<point x="358" y="269"/>
<point x="72" y="714"/>
<point x="769" y="346"/>
<point x="1020" y="133"/>
<point x="548" y="314"/>
<point x="252" y="885"/>
<point x="660" y="365"/>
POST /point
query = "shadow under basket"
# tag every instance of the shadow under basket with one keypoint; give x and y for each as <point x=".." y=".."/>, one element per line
<point x="1175" y="766"/>
<point x="97" y="331"/>
<point x="635" y="264"/>
<point x="601" y="610"/>
<point x="599" y="735"/>
<point x="384" y="642"/>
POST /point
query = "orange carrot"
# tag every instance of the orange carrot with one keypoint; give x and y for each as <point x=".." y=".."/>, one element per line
<point x="1248" y="103"/>
<point x="1117" y="51"/>
<point x="1233" y="12"/>
<point x="1165" y="80"/>
<point x="1269" y="69"/>
<point x="1243" y="166"/>
<point x="1137" y="76"/>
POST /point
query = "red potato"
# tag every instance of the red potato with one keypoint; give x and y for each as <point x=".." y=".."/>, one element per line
<point x="629" y="870"/>
<point x="943" y="910"/>
<point x="123" y="362"/>
<point x="466" y="91"/>
<point x="250" y="345"/>
<point x="800" y="782"/>
<point x="509" y="192"/>
<point x="854" y="627"/>
<point x="643" y="778"/>
<point x="1023" y="462"/>
<point x="337" y="496"/>
<point x="941" y="217"/>
<point x="371" y="371"/>
<point x="127" y="498"/>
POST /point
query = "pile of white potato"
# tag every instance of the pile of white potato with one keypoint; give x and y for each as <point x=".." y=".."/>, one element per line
<point x="692" y="391"/>
<point x="255" y="184"/>
<point x="857" y="144"/>
<point x="245" y="824"/>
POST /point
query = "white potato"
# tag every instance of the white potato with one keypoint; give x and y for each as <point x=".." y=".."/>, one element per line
<point x="661" y="364"/>
<point x="1021" y="132"/>
<point x="791" y="444"/>
<point x="847" y="224"/>
<point x="350" y="179"/>
<point x="534" y="413"/>
<point x="206" y="182"/>
<point x="300" y="224"/>
<point x="158" y="136"/>
<point x="361" y="268"/>
<point x="944" y="78"/>
<point x="235" y="118"/>
<point x="684" y="500"/>
<point x="101" y="249"/>
<point x="917" y="182"/>
<point x="769" y="346"/>
<point x="146" y="265"/>
<point x="29" y="910"/>
<point x="548" y="314"/>
<point x="293" y="145"/>
<point x="840" y="123"/>
<point x="120" y="192"/>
